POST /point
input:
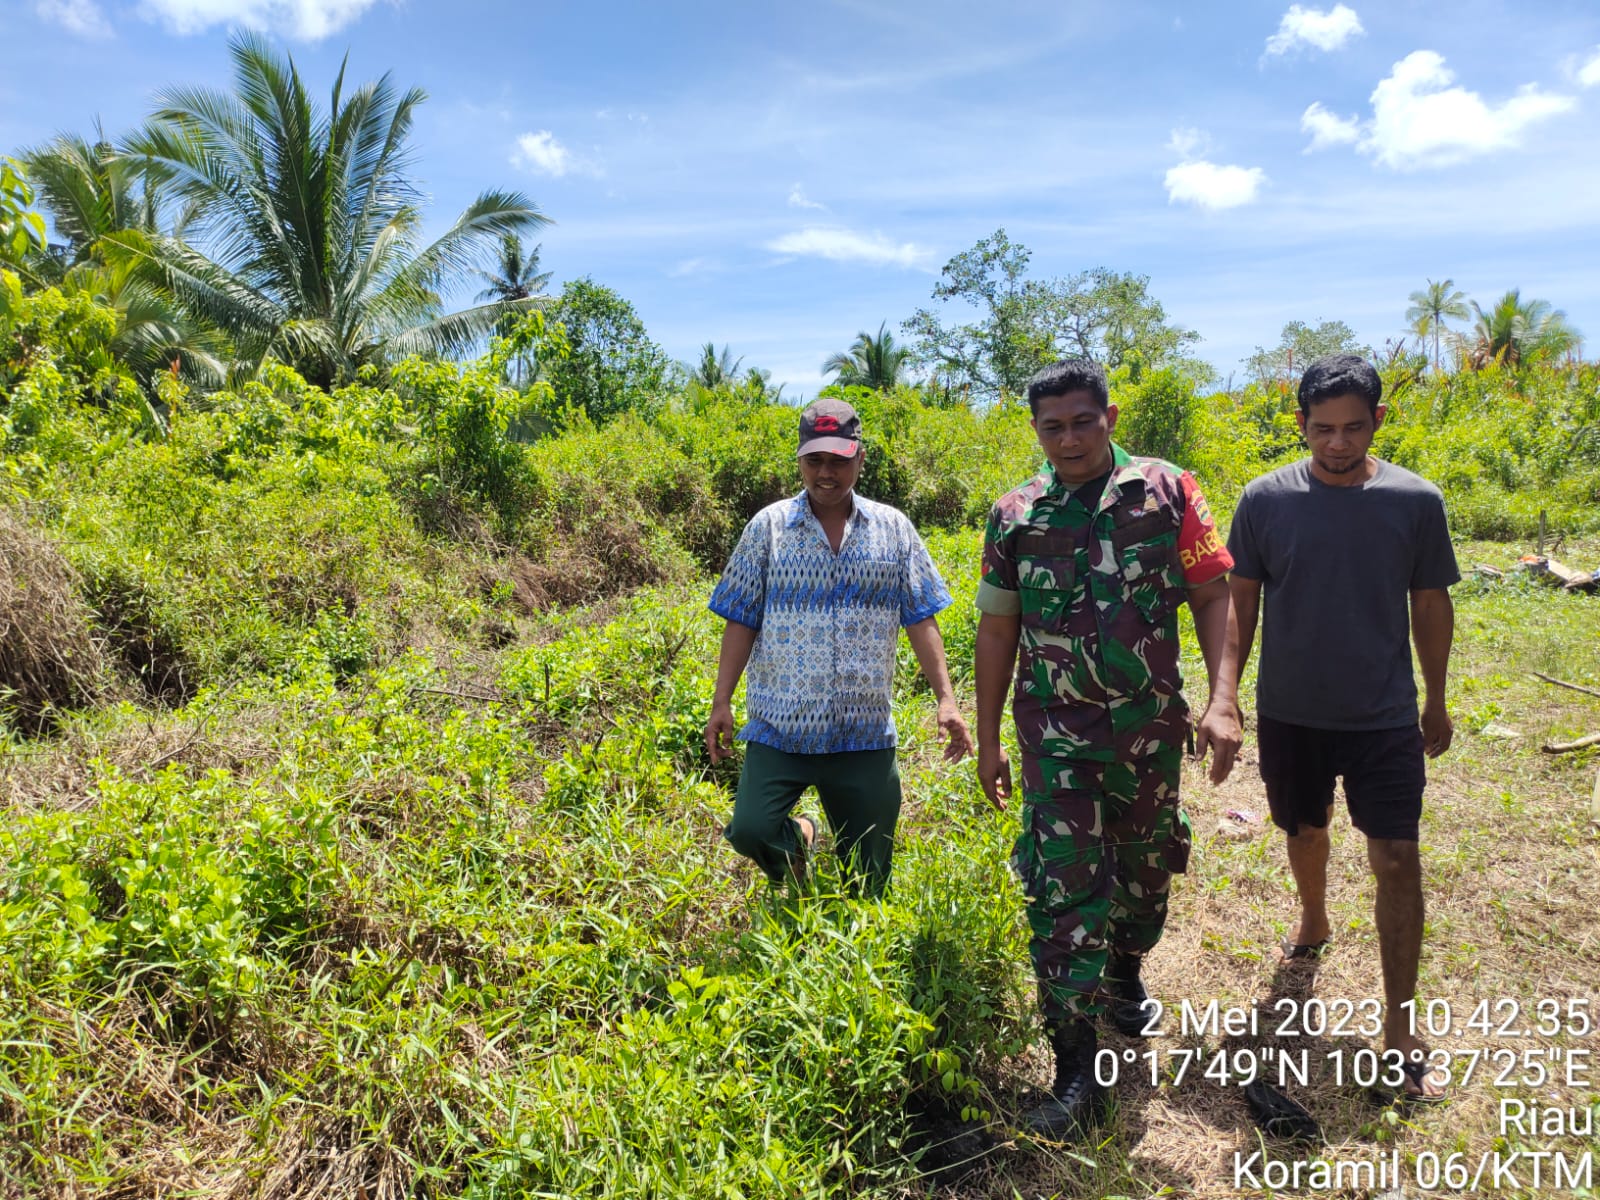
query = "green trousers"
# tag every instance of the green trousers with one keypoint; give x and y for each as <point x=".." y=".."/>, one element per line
<point x="1099" y="845"/>
<point x="860" y="793"/>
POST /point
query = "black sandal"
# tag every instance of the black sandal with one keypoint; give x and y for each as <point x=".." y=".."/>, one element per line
<point x="1416" y="1071"/>
<point x="1278" y="1116"/>
<point x="1303" y="951"/>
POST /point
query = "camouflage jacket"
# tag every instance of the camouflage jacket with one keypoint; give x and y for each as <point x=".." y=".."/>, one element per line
<point x="1098" y="594"/>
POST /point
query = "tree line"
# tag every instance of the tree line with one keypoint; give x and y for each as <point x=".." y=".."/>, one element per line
<point x="255" y="225"/>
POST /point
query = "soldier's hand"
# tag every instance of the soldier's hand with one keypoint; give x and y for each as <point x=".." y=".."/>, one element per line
<point x="1220" y="731"/>
<point x="958" y="741"/>
<point x="994" y="774"/>
<point x="719" y="732"/>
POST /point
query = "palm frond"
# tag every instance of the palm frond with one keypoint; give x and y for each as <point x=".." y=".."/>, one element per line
<point x="455" y="332"/>
<point x="206" y="289"/>
<point x="492" y="215"/>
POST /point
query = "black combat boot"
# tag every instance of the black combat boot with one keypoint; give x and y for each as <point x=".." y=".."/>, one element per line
<point x="1128" y="997"/>
<point x="1077" y="1102"/>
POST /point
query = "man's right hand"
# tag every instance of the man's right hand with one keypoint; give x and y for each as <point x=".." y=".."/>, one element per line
<point x="994" y="774"/>
<point x="1220" y="731"/>
<point x="719" y="732"/>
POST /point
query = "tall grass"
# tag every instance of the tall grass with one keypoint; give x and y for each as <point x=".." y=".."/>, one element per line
<point x="496" y="952"/>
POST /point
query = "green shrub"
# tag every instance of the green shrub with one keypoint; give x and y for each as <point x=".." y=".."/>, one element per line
<point x="1505" y="445"/>
<point x="744" y="450"/>
<point x="466" y="416"/>
<point x="204" y="559"/>
<point x="192" y="885"/>
<point x="620" y="508"/>
<point x="1159" y="416"/>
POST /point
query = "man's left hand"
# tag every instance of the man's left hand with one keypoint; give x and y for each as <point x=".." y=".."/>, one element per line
<point x="958" y="739"/>
<point x="1438" y="730"/>
<point x="1219" y="729"/>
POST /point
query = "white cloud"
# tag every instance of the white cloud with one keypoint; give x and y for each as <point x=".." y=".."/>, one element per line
<point x="1188" y="143"/>
<point x="1419" y="120"/>
<point x="799" y="199"/>
<point x="1328" y="128"/>
<point x="693" y="266"/>
<point x="82" y="17"/>
<point x="1210" y="185"/>
<point x="541" y="152"/>
<point x="1207" y="184"/>
<point x="1589" y="72"/>
<point x="310" y="20"/>
<point x="844" y="245"/>
<point x="1313" y="27"/>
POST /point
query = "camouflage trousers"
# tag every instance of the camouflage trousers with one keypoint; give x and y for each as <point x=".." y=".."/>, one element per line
<point x="1099" y="845"/>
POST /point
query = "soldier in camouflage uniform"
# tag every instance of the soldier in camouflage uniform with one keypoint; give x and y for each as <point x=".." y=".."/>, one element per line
<point x="1084" y="569"/>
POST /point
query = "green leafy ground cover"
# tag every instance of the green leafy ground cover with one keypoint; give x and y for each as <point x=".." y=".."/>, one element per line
<point x="298" y="938"/>
<point x="381" y="857"/>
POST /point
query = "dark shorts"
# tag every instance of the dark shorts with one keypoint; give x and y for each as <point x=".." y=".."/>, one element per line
<point x="1383" y="771"/>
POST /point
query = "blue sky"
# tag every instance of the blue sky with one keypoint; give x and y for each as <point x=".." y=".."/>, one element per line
<point x="777" y="177"/>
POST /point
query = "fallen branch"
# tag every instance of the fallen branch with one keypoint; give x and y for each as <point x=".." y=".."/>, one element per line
<point x="1568" y="747"/>
<point x="433" y="691"/>
<point x="157" y="764"/>
<point x="1577" y="687"/>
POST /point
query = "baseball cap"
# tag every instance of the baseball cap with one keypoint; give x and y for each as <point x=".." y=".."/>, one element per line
<point x="830" y="427"/>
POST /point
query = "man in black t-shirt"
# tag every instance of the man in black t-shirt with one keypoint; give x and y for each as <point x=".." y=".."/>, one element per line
<point x="1337" y="545"/>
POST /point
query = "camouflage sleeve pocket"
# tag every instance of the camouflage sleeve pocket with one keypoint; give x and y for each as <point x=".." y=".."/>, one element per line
<point x="1154" y="558"/>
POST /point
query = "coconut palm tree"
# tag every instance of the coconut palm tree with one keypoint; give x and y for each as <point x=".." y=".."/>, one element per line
<point x="304" y="223"/>
<point x="90" y="191"/>
<point x="91" y="194"/>
<point x="1514" y="331"/>
<point x="715" y="370"/>
<point x="871" y="362"/>
<point x="516" y="274"/>
<point x="1430" y="307"/>
<point x="758" y="385"/>
<point x="155" y="333"/>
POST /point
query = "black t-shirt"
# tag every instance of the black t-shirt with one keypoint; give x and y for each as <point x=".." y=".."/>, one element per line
<point x="1336" y="566"/>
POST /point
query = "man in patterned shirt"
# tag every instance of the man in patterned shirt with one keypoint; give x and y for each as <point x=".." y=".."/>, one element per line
<point x="1084" y="568"/>
<point x="815" y="596"/>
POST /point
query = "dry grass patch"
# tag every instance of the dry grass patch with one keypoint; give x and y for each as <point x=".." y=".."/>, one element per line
<point x="60" y="772"/>
<point x="49" y="658"/>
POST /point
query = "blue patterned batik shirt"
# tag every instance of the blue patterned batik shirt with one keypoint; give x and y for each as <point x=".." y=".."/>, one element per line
<point x="821" y="671"/>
